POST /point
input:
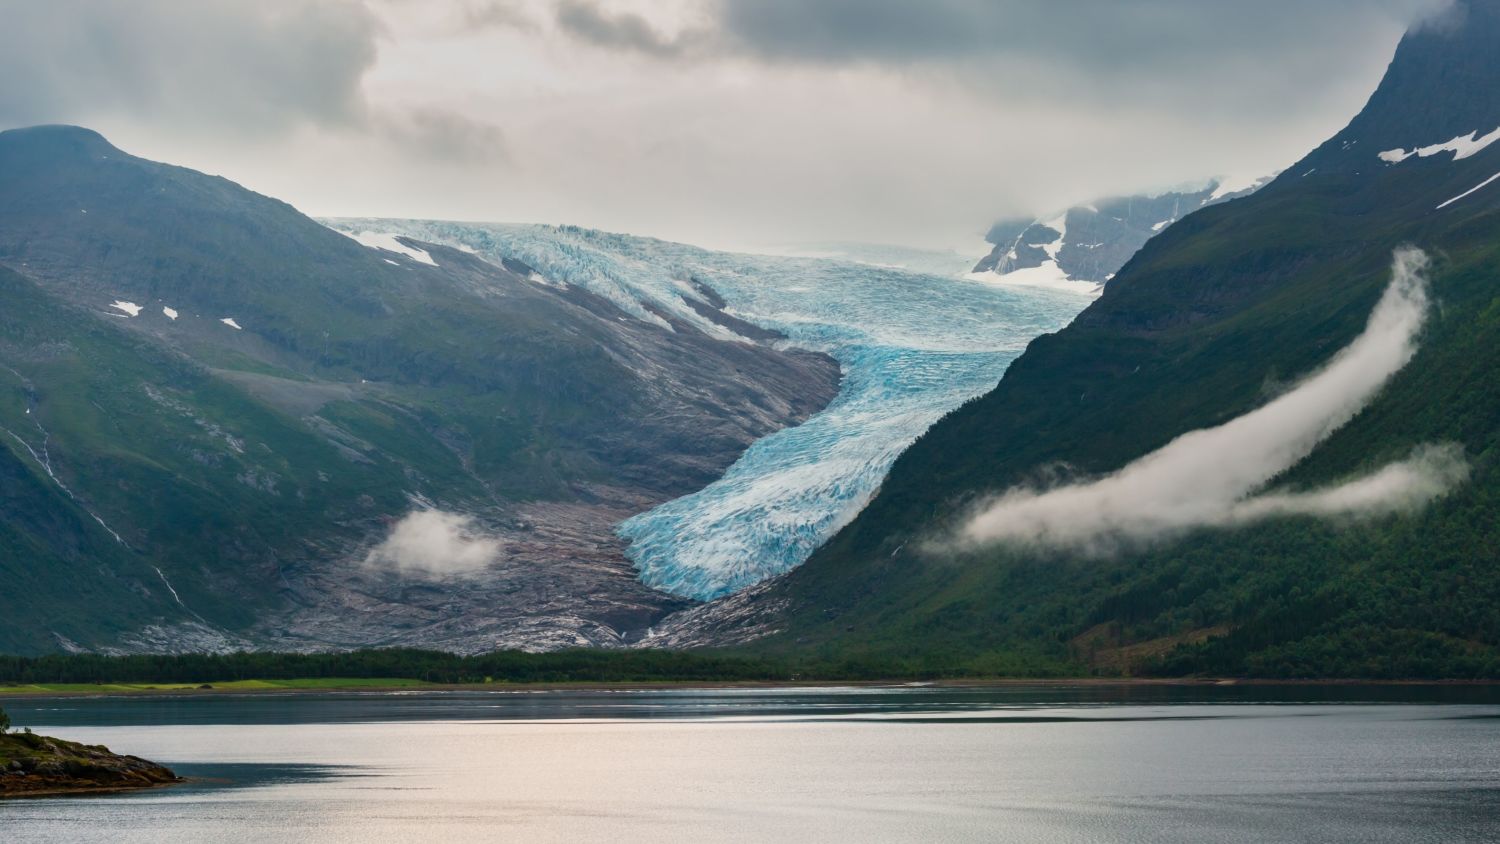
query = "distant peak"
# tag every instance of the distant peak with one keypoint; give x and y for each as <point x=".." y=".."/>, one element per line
<point x="57" y="138"/>
<point x="1443" y="83"/>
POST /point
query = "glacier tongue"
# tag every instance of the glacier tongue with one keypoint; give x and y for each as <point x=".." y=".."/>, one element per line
<point x="912" y="347"/>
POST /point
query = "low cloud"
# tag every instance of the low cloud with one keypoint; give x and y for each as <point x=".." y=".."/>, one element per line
<point x="435" y="542"/>
<point x="1211" y="477"/>
<point x="443" y="135"/>
<point x="1405" y="485"/>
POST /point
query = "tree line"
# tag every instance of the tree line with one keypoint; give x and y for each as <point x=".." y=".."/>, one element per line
<point x="579" y="665"/>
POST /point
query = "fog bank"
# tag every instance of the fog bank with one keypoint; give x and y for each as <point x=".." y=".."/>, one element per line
<point x="1209" y="477"/>
<point x="435" y="542"/>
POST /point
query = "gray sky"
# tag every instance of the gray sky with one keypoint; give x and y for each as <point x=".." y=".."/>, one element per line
<point x="724" y="122"/>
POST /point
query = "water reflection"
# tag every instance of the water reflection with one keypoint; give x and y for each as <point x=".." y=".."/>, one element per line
<point x="1031" y="763"/>
<point x="676" y="703"/>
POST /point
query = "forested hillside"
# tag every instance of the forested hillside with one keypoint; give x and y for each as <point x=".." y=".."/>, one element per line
<point x="213" y="409"/>
<point x="1212" y="319"/>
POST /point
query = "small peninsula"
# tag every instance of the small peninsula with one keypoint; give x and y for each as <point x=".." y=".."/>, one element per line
<point x="33" y="765"/>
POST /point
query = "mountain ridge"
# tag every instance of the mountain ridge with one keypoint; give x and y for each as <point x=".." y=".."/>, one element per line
<point x="251" y="401"/>
<point x="1198" y="328"/>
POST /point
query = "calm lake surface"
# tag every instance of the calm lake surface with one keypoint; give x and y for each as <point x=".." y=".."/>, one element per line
<point x="1044" y="764"/>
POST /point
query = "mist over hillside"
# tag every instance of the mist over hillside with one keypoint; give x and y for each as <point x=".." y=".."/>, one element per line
<point x="1188" y="433"/>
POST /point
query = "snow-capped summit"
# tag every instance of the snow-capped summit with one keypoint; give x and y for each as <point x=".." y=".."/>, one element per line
<point x="1087" y="244"/>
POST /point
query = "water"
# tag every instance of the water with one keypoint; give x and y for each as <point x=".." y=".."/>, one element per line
<point x="1048" y="764"/>
<point x="912" y="346"/>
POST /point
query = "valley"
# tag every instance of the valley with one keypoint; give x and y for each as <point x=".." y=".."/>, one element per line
<point x="566" y="402"/>
<point x="912" y="347"/>
<point x="749" y="420"/>
<point x="227" y="425"/>
<point x="217" y="408"/>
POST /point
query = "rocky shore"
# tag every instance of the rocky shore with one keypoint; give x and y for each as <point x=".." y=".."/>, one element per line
<point x="34" y="765"/>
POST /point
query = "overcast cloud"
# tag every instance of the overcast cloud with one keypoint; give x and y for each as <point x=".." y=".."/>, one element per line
<point x="728" y="122"/>
<point x="213" y="66"/>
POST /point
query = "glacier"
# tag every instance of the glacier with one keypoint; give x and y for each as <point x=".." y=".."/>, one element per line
<point x="912" y="347"/>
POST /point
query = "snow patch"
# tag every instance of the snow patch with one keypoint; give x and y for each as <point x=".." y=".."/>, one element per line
<point x="1484" y="184"/>
<point x="387" y="242"/>
<point x="537" y="278"/>
<point x="229" y="321"/>
<point x="1058" y="224"/>
<point x="169" y="313"/>
<point x="1235" y="184"/>
<point x="1462" y="147"/>
<point x="130" y="308"/>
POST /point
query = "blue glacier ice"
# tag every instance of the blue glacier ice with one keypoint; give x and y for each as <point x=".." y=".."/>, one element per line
<point x="912" y="347"/>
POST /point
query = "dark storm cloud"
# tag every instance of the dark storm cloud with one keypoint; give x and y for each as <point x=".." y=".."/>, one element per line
<point x="586" y="21"/>
<point x="235" y="65"/>
<point x="1086" y="34"/>
<point x="219" y="68"/>
<point x="1099" y="32"/>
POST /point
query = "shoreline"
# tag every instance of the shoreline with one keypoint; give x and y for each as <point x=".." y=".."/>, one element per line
<point x="33" y="691"/>
<point x="90" y="791"/>
<point x="37" y="765"/>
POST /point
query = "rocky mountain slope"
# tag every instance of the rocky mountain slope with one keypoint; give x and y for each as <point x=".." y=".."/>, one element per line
<point x="912" y="346"/>
<point x="1221" y="314"/>
<point x="219" y="416"/>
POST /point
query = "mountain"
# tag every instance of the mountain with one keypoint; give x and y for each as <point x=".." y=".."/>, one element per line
<point x="912" y="346"/>
<point x="226" y="425"/>
<point x="1210" y="323"/>
<point x="1090" y="243"/>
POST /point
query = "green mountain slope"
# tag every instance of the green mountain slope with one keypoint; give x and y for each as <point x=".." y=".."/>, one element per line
<point x="1199" y="328"/>
<point x="249" y="400"/>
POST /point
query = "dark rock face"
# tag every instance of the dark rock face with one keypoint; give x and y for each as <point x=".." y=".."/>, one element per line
<point x="1440" y="85"/>
<point x="212" y="407"/>
<point x="33" y="766"/>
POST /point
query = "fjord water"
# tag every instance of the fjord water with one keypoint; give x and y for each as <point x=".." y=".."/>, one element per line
<point x="1035" y="764"/>
<point x="912" y="346"/>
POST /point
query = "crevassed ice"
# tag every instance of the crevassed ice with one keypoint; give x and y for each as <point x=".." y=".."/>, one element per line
<point x="912" y="348"/>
